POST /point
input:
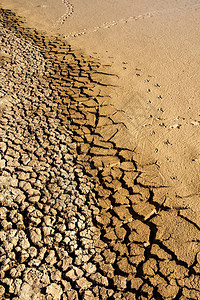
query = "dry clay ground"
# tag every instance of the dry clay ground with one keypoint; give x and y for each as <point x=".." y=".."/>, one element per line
<point x="76" y="222"/>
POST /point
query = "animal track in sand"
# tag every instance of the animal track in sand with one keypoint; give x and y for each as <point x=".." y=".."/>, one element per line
<point x="107" y="25"/>
<point x="68" y="13"/>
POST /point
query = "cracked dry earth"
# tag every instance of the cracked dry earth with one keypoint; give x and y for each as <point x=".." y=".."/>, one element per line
<point x="76" y="223"/>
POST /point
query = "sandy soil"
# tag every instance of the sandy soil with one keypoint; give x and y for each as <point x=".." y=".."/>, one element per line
<point x="154" y="49"/>
<point x="139" y="91"/>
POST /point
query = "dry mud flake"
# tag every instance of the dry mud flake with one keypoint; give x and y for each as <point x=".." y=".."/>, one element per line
<point x="76" y="221"/>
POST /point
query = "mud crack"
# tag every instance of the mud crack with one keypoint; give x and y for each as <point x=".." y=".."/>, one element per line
<point x="75" y="223"/>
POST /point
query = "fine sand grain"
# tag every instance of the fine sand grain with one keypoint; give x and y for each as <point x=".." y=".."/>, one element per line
<point x="92" y="150"/>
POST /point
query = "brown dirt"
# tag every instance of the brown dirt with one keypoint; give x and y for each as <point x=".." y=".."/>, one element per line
<point x="77" y="219"/>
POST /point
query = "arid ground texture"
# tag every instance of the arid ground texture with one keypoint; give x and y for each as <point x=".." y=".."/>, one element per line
<point x="87" y="211"/>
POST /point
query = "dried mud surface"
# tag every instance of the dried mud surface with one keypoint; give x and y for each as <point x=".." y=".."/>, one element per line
<point x="75" y="221"/>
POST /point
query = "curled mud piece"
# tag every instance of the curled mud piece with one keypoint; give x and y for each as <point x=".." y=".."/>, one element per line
<point x="75" y="223"/>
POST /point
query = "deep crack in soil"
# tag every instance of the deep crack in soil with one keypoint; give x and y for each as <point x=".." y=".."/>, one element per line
<point x="75" y="221"/>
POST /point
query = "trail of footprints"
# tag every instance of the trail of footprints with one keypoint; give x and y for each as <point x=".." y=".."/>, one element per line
<point x="75" y="222"/>
<point x="146" y="15"/>
<point x="108" y="25"/>
<point x="68" y="13"/>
